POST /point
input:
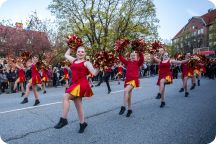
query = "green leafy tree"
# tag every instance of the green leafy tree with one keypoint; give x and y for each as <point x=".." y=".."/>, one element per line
<point x="101" y="22"/>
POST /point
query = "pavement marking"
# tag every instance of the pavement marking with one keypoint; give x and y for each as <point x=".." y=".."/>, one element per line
<point x="117" y="91"/>
<point x="123" y="90"/>
<point x="33" y="107"/>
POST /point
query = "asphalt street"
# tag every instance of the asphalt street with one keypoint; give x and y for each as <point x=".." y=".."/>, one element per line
<point x="190" y="120"/>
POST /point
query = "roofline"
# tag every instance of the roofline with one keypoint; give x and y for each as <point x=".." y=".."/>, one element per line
<point x="195" y="17"/>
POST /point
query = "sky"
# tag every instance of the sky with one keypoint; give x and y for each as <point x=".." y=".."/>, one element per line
<point x="173" y="14"/>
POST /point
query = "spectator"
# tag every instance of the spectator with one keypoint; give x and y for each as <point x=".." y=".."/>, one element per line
<point x="55" y="77"/>
<point x="11" y="77"/>
<point x="3" y="80"/>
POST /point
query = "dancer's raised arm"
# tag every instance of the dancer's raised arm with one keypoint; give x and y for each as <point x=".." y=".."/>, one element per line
<point x="155" y="59"/>
<point x="68" y="56"/>
<point x="141" y="60"/>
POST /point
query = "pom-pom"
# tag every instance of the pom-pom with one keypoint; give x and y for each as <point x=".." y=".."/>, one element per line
<point x="179" y="56"/>
<point x="74" y="42"/>
<point x="155" y="46"/>
<point x="194" y="61"/>
<point x="139" y="45"/>
<point x="103" y="59"/>
<point x="120" y="45"/>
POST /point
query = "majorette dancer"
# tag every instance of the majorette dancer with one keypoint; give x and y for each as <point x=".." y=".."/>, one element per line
<point x="44" y="78"/>
<point x="165" y="75"/>
<point x="33" y="82"/>
<point x="132" y="79"/>
<point x="21" y="77"/>
<point x="65" y="76"/>
<point x="79" y="88"/>
<point x="119" y="73"/>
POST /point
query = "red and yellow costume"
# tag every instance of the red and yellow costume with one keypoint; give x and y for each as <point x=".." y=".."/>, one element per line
<point x="66" y="74"/>
<point x="120" y="71"/>
<point x="36" y="79"/>
<point x="197" y="70"/>
<point x="186" y="71"/>
<point x="21" y="76"/>
<point x="80" y="86"/>
<point x="203" y="69"/>
<point x="132" y="73"/>
<point x="44" y="75"/>
<point x="164" y="72"/>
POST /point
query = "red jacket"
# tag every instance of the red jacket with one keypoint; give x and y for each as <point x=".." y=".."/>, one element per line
<point x="132" y="66"/>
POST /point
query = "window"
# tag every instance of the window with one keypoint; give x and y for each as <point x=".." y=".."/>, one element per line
<point x="210" y="43"/>
<point x="199" y="31"/>
<point x="29" y="41"/>
<point x="202" y="31"/>
<point x="210" y="27"/>
<point x="210" y="36"/>
<point x="195" y="33"/>
<point x="2" y="40"/>
<point x="189" y="44"/>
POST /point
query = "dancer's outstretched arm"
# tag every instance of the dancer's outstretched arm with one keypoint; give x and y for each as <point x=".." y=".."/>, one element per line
<point x="90" y="67"/>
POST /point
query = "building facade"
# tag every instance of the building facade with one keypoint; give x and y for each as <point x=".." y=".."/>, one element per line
<point x="198" y="34"/>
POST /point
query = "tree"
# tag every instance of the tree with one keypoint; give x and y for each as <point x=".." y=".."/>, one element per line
<point x="100" y="23"/>
<point x="15" y="41"/>
<point x="47" y="26"/>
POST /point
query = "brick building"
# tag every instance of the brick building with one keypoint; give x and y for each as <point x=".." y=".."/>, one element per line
<point x="198" y="34"/>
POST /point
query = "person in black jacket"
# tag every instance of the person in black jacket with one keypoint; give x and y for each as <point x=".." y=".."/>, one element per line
<point x="3" y="80"/>
<point x="106" y="75"/>
<point x="11" y="76"/>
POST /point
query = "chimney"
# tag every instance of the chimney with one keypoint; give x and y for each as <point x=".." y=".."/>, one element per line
<point x="19" y="25"/>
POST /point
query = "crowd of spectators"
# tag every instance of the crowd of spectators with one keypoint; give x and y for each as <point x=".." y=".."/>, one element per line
<point x="8" y="75"/>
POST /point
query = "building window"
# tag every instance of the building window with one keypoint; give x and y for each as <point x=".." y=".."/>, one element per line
<point x="210" y="27"/>
<point x="189" y="44"/>
<point x="29" y="41"/>
<point x="210" y="43"/>
<point x="201" y="31"/>
<point x="195" y="33"/>
<point x="210" y="36"/>
<point x="2" y="40"/>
